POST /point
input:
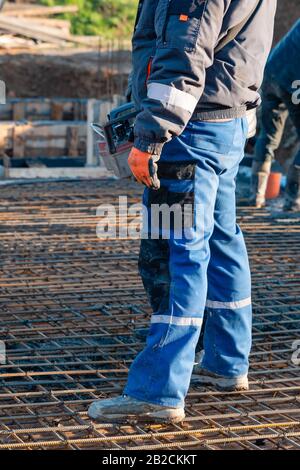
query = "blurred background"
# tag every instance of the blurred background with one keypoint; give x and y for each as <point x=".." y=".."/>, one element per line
<point x="57" y="55"/>
<point x="77" y="48"/>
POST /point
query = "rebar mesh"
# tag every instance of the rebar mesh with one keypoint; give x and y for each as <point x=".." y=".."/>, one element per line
<point x="70" y="305"/>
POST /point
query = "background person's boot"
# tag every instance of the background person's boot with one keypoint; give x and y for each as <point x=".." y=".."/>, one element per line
<point x="292" y="192"/>
<point x="259" y="182"/>
<point x="204" y="377"/>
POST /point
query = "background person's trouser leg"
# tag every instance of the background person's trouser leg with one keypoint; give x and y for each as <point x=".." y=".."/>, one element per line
<point x="292" y="192"/>
<point x="229" y="311"/>
<point x="294" y="113"/>
<point x="274" y="114"/>
<point x="161" y="372"/>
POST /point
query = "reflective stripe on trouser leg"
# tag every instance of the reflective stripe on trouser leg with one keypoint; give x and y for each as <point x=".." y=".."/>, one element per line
<point x="227" y="341"/>
<point x="161" y="372"/>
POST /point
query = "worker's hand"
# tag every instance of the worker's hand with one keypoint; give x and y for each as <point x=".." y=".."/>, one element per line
<point x="143" y="168"/>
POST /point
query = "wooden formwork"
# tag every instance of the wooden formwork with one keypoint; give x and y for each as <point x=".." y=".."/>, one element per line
<point x="43" y="139"/>
<point x="52" y="133"/>
<point x="38" y="109"/>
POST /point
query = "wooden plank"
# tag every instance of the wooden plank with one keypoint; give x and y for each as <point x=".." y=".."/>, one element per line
<point x="19" y="139"/>
<point x="14" y="25"/>
<point x="72" y="141"/>
<point x="18" y="111"/>
<point x="54" y="129"/>
<point x="6" y="112"/>
<point x="63" y="25"/>
<point x="53" y="138"/>
<point x="57" y="111"/>
<point x="80" y="110"/>
<point x="6" y="164"/>
<point x="18" y="26"/>
<point x="90" y="155"/>
<point x="42" y="140"/>
<point x="38" y="10"/>
<point x="6" y="133"/>
<point x="38" y="109"/>
<point x="65" y="172"/>
<point x="35" y="163"/>
<point x="35" y="142"/>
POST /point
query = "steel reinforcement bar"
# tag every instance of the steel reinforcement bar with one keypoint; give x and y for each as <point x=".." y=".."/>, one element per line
<point x="70" y="305"/>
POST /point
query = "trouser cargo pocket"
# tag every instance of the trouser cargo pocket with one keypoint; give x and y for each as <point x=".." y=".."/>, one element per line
<point x="171" y="208"/>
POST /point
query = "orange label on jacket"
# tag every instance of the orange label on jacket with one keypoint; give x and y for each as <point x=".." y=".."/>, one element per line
<point x="183" y="17"/>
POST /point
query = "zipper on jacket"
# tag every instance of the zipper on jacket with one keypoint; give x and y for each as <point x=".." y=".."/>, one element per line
<point x="166" y="23"/>
<point x="138" y="14"/>
<point x="149" y="65"/>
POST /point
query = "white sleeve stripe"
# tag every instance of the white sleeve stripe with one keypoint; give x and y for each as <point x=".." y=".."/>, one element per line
<point x="169" y="95"/>
<point x="229" y="305"/>
<point x="179" y="321"/>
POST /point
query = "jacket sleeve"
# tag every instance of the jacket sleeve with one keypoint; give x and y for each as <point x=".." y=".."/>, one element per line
<point x="187" y="34"/>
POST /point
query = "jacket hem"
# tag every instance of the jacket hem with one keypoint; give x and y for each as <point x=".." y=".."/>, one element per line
<point x="228" y="113"/>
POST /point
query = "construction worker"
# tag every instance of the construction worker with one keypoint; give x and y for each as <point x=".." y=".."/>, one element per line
<point x="193" y="96"/>
<point x="281" y="98"/>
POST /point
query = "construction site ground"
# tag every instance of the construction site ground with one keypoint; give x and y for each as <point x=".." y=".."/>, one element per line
<point x="70" y="304"/>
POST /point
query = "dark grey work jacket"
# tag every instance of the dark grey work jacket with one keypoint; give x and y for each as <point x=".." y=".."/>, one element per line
<point x="177" y="75"/>
<point x="283" y="65"/>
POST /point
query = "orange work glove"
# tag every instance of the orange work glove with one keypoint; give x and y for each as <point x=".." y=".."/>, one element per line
<point x="143" y="168"/>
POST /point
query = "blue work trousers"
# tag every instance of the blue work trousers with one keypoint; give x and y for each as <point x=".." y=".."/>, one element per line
<point x="204" y="268"/>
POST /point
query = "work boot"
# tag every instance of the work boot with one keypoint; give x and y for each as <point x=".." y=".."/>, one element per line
<point x="292" y="192"/>
<point x="224" y="384"/>
<point x="258" y="187"/>
<point x="124" y="409"/>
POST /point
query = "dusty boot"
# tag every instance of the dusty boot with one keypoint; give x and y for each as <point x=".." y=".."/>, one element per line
<point x="227" y="384"/>
<point x="259" y="182"/>
<point x="292" y="192"/>
<point x="124" y="409"/>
